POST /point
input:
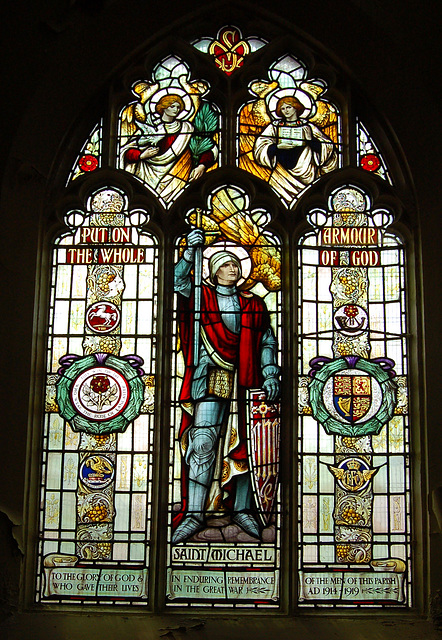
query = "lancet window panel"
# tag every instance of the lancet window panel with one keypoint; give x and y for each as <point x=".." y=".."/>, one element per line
<point x="96" y="487"/>
<point x="225" y="512"/>
<point x="289" y="133"/>
<point x="354" y="519"/>
<point x="169" y="135"/>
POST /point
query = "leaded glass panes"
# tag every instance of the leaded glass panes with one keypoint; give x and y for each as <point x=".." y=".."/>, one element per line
<point x="96" y="491"/>
<point x="229" y="48"/>
<point x="169" y="136"/>
<point x="289" y="133"/>
<point x="354" y="525"/>
<point x="218" y="529"/>
<point x="224" y="541"/>
<point x="369" y="157"/>
<point x="89" y="159"/>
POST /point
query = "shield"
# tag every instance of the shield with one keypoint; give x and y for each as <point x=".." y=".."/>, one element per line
<point x="352" y="396"/>
<point x="263" y="439"/>
<point x="350" y="407"/>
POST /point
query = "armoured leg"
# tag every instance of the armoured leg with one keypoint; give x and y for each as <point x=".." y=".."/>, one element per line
<point x="201" y="461"/>
<point x="201" y="453"/>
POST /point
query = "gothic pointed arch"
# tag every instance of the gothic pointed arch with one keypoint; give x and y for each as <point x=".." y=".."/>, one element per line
<point x="228" y="293"/>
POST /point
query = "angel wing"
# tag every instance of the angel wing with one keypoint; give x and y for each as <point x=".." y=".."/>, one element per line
<point x="195" y="90"/>
<point x="326" y="117"/>
<point x="253" y="118"/>
<point x="136" y="111"/>
<point x="146" y="90"/>
<point x="239" y="226"/>
<point x="227" y="220"/>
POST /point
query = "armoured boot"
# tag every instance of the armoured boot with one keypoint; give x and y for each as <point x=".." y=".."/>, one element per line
<point x="243" y="503"/>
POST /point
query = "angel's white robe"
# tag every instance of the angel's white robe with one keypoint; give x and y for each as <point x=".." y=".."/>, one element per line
<point x="290" y="180"/>
<point x="154" y="171"/>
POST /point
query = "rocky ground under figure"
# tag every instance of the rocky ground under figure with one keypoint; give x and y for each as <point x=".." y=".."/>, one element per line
<point x="222" y="529"/>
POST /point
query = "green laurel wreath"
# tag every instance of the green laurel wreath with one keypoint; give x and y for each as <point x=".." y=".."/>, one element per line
<point x="118" y="423"/>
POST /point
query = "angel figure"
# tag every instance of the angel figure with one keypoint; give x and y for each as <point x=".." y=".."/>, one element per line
<point x="167" y="150"/>
<point x="289" y="151"/>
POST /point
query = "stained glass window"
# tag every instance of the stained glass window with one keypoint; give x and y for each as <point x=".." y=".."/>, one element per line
<point x="96" y="491"/>
<point x="354" y="520"/>
<point x="170" y="351"/>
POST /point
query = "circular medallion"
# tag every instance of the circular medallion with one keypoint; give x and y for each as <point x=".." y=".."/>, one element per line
<point x="353" y="474"/>
<point x="100" y="393"/>
<point x="348" y="199"/>
<point x="102" y="317"/>
<point x="97" y="471"/>
<point x="107" y="200"/>
<point x="351" y="320"/>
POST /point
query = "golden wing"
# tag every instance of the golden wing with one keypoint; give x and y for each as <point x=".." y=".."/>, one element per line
<point x="129" y="116"/>
<point x="136" y="110"/>
<point x="228" y="220"/>
<point x="239" y="226"/>
<point x="326" y="116"/>
<point x="145" y="90"/>
<point x="253" y="118"/>
<point x="338" y="473"/>
<point x="368" y="474"/>
<point x="195" y="90"/>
